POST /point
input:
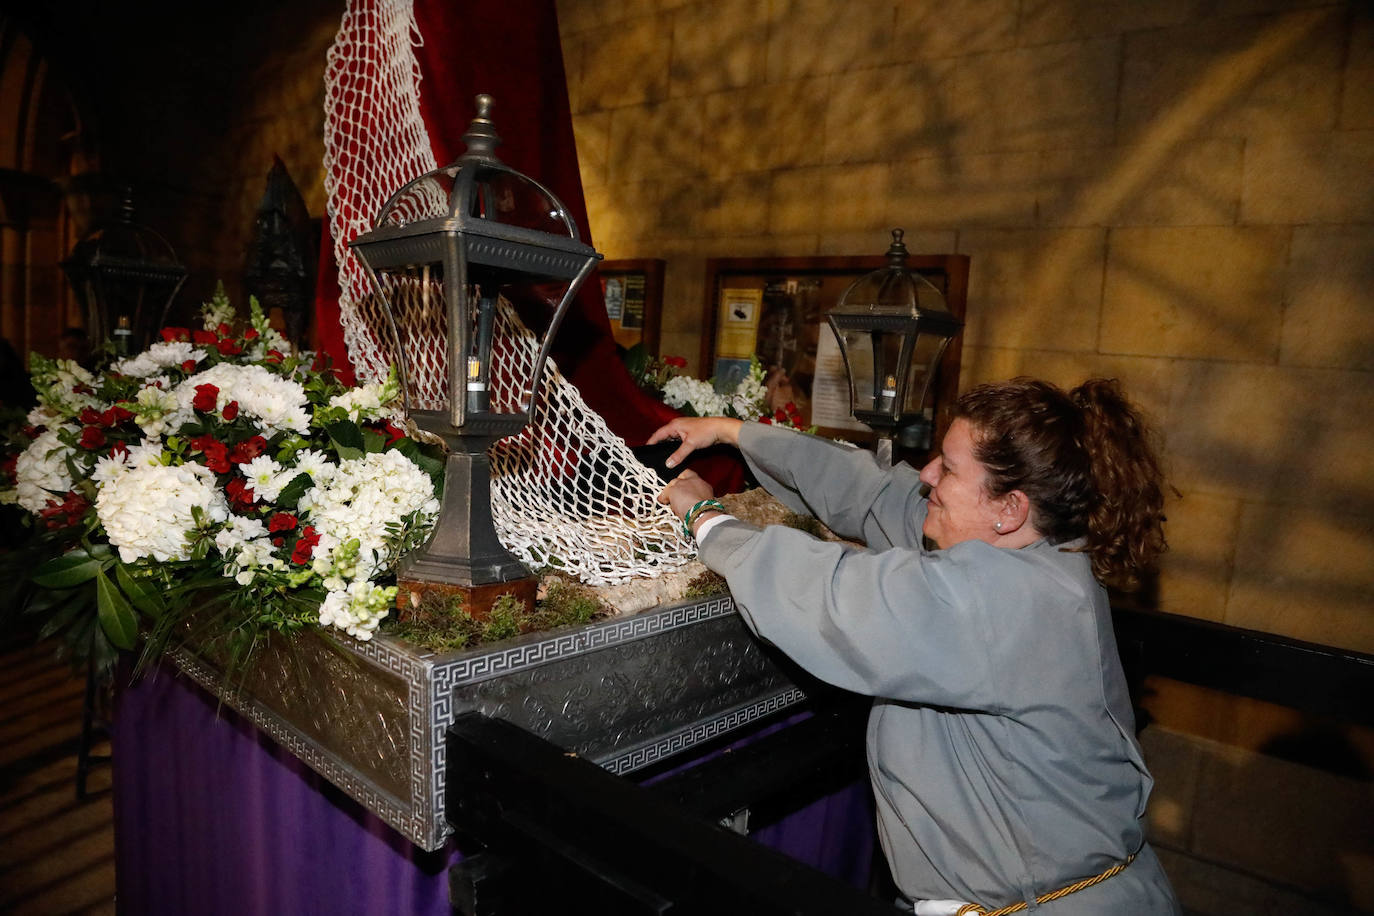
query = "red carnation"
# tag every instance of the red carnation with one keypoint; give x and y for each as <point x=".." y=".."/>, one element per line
<point x="92" y="437"/>
<point x="250" y="334"/>
<point x="89" y="416"/>
<point x="247" y="450"/>
<point x="679" y="362"/>
<point x="228" y="347"/>
<point x="230" y="411"/>
<point x="393" y="432"/>
<point x="224" y="330"/>
<point x="216" y="453"/>
<point x="282" y="521"/>
<point x="274" y="356"/>
<point x="188" y="366"/>
<point x="174" y="334"/>
<point x="301" y="555"/>
<point x="206" y="397"/>
<point x="119" y="448"/>
<point x="65" y="514"/>
<point x="239" y="493"/>
<point x="116" y="415"/>
<point x="203" y="337"/>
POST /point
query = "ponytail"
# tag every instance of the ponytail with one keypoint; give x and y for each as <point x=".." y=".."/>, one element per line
<point x="1085" y="462"/>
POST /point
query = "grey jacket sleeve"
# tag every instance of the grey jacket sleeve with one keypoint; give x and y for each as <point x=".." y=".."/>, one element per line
<point x="838" y="484"/>
<point x="896" y="623"/>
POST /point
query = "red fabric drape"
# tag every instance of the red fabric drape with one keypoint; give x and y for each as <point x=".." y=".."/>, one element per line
<point x="511" y="50"/>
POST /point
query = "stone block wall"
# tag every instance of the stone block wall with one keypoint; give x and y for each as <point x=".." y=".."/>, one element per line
<point x="1175" y="193"/>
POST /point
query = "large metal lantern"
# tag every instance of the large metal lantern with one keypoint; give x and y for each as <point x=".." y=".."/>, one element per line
<point x="443" y="251"/>
<point x="125" y="277"/>
<point x="892" y="326"/>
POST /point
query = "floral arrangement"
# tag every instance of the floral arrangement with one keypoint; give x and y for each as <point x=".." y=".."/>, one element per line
<point x="215" y="474"/>
<point x="748" y="400"/>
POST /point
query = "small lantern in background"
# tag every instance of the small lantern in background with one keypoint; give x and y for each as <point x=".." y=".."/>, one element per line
<point x="125" y="277"/>
<point x="444" y="249"/>
<point x="893" y="326"/>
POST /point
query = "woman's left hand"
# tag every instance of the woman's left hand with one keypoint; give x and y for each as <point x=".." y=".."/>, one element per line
<point x="684" y="491"/>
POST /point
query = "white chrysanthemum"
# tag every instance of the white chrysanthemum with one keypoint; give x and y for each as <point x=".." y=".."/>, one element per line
<point x="41" y="470"/>
<point x="147" y="509"/>
<point x="364" y="403"/>
<point x="276" y="403"/>
<point x="161" y="355"/>
<point x="266" y="477"/>
<point x="231" y="538"/>
<point x="365" y="496"/>
<point x="682" y="390"/>
<point x="357" y="609"/>
<point x="153" y="408"/>
<point x="315" y="463"/>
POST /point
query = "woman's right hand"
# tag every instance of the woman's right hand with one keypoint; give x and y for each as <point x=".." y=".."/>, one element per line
<point x="695" y="433"/>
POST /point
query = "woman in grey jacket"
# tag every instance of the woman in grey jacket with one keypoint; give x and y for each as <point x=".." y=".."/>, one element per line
<point x="1001" y="744"/>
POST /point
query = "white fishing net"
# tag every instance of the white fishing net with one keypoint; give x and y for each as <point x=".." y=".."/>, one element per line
<point x="566" y="492"/>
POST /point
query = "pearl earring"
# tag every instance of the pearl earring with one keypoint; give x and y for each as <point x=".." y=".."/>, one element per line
<point x="998" y="526"/>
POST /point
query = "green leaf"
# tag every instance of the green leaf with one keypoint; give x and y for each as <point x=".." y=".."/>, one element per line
<point x="70" y="569"/>
<point x="117" y="619"/>
<point x="141" y="595"/>
<point x="347" y="439"/>
<point x="76" y="604"/>
<point x="373" y="441"/>
<point x="291" y="493"/>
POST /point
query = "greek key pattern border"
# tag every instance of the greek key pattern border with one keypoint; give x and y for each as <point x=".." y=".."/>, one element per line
<point x="404" y="820"/>
<point x="705" y="730"/>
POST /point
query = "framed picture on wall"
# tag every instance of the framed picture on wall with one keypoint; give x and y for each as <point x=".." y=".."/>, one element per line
<point x="775" y="308"/>
<point x="633" y="290"/>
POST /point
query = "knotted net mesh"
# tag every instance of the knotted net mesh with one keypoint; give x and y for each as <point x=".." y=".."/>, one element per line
<point x="567" y="492"/>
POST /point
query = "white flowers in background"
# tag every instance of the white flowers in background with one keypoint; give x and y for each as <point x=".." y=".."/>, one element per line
<point x="684" y="391"/>
<point x="147" y="510"/>
<point x="749" y="400"/>
<point x="277" y="403"/>
<point x="218" y="311"/>
<point x="163" y="355"/>
<point x="41" y="468"/>
<point x="358" y="608"/>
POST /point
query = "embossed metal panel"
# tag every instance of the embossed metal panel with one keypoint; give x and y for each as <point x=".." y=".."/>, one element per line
<point x="626" y="693"/>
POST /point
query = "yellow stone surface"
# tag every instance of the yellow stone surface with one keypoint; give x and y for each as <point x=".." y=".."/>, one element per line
<point x="1228" y="77"/>
<point x="717" y="46"/>
<point x="1309" y="178"/>
<point x="630" y="70"/>
<point x="888" y="113"/>
<point x="1194" y="292"/>
<point x="1357" y="90"/>
<point x="1033" y="288"/>
<point x="992" y="189"/>
<point x="592" y="134"/>
<point x="1190" y="183"/>
<point x="930" y="29"/>
<point x="814" y="37"/>
<point x="763" y="127"/>
<point x="830" y="198"/>
<point x="1049" y="21"/>
<point x="1196" y="569"/>
<point x="1329" y="316"/>
<point x="658" y="140"/>
<point x="1047" y="97"/>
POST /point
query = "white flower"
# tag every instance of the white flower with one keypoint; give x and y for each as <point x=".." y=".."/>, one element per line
<point x="700" y="396"/>
<point x="362" y="403"/>
<point x="41" y="470"/>
<point x="316" y="464"/>
<point x="152" y="409"/>
<point x="357" y="609"/>
<point x="231" y="538"/>
<point x="65" y="389"/>
<point x="162" y="355"/>
<point x="146" y="510"/>
<point x="276" y="403"/>
<point x="266" y="477"/>
<point x="365" y="496"/>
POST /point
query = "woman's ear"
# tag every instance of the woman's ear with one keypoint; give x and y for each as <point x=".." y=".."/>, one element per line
<point x="1013" y="513"/>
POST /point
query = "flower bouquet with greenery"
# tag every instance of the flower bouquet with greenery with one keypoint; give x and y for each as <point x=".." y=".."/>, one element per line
<point x="215" y="478"/>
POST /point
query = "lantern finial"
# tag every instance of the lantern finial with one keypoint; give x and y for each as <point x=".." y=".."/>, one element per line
<point x="897" y="253"/>
<point x="481" y="136"/>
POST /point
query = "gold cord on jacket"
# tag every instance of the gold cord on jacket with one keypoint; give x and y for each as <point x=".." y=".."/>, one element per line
<point x="974" y="909"/>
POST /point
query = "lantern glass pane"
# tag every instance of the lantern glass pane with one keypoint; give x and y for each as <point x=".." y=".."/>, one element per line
<point x="512" y="199"/>
<point x="420" y="312"/>
<point x="925" y="357"/>
<point x="427" y="197"/>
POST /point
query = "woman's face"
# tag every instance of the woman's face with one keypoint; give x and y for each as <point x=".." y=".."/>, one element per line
<point x="959" y="509"/>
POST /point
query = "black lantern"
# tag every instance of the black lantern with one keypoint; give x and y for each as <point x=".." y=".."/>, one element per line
<point x="125" y="277"/>
<point x="445" y="248"/>
<point x="893" y="326"/>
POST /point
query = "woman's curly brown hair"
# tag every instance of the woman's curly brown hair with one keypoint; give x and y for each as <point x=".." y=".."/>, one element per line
<point x="1085" y="461"/>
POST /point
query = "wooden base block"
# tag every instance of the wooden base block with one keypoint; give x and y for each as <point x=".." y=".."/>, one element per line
<point x="411" y="595"/>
